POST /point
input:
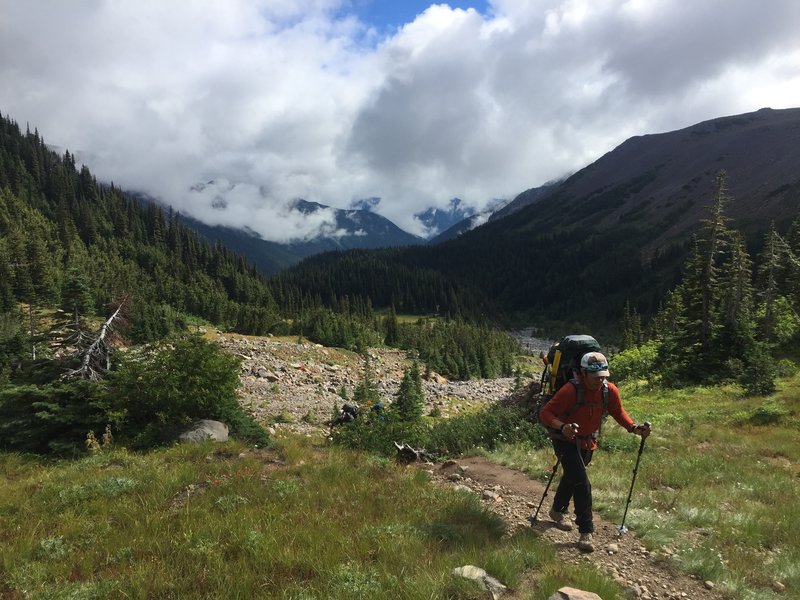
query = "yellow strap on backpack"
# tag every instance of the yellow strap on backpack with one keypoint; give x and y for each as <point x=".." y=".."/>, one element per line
<point x="554" y="370"/>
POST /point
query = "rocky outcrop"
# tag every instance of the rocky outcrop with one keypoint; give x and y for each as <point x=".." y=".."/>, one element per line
<point x="203" y="430"/>
<point x="492" y="585"/>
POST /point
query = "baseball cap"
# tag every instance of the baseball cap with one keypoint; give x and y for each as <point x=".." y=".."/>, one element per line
<point x="594" y="363"/>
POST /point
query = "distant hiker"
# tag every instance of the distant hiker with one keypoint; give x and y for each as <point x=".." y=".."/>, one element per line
<point x="348" y="413"/>
<point x="575" y="428"/>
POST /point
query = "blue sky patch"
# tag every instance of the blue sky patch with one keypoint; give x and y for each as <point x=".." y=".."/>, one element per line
<point x="389" y="15"/>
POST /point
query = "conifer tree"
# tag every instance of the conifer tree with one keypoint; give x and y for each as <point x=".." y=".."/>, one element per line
<point x="691" y="341"/>
<point x="390" y="327"/>
<point x="631" y="327"/>
<point x="76" y="297"/>
<point x="716" y="232"/>
<point x="767" y="281"/>
<point x="410" y="398"/>
<point x="7" y="299"/>
<point x="792" y="283"/>
<point x="737" y="329"/>
<point x="366" y="392"/>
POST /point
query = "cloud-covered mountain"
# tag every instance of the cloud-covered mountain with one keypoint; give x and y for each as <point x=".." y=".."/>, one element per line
<point x="436" y="220"/>
<point x="462" y="226"/>
<point x="664" y="182"/>
<point x="526" y="199"/>
<point x="620" y="229"/>
<point x="352" y="228"/>
<point x="305" y="100"/>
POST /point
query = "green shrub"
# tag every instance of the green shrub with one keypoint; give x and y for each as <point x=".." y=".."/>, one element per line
<point x="758" y="376"/>
<point x="377" y="432"/>
<point x="786" y="368"/>
<point x="13" y="348"/>
<point x="177" y="382"/>
<point x="637" y="363"/>
<point x="768" y="413"/>
<point x="497" y="424"/>
<point x="54" y="418"/>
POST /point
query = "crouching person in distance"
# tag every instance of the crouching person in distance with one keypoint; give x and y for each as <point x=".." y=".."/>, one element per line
<point x="576" y="423"/>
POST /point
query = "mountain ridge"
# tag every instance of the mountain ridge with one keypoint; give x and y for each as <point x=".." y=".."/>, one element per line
<point x="673" y="174"/>
<point x="619" y="229"/>
<point x="355" y="228"/>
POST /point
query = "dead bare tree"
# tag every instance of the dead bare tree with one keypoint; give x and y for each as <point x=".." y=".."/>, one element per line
<point x="96" y="360"/>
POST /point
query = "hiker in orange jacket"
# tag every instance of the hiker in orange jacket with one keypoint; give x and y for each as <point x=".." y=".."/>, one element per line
<point x="576" y="427"/>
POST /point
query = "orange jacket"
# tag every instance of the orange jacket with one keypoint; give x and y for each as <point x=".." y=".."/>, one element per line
<point x="589" y="415"/>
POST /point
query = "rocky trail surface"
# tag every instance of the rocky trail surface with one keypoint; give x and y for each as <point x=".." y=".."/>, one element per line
<point x="294" y="386"/>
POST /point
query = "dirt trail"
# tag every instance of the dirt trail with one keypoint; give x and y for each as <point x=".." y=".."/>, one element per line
<point x="647" y="575"/>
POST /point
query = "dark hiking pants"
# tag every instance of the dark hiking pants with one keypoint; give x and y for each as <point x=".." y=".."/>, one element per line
<point x="574" y="484"/>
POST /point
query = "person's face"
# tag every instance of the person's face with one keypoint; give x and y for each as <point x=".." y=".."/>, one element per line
<point x="593" y="382"/>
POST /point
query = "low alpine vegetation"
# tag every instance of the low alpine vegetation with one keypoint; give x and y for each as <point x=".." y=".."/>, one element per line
<point x="225" y="521"/>
<point x="150" y="392"/>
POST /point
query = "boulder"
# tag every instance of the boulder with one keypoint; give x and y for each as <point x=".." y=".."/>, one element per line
<point x="569" y="593"/>
<point x="492" y="585"/>
<point x="202" y="430"/>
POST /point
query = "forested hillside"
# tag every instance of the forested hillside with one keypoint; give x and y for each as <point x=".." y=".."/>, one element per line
<point x="86" y="269"/>
<point x="67" y="240"/>
<point x="71" y="248"/>
<point x="619" y="230"/>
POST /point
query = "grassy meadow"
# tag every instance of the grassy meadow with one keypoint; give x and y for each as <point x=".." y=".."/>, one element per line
<point x="228" y="521"/>
<point x="717" y="493"/>
<point x="718" y="486"/>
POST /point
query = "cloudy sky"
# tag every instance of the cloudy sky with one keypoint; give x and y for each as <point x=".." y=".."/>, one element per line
<point x="230" y="109"/>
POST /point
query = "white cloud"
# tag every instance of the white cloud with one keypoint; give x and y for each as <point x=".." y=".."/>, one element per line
<point x="277" y="100"/>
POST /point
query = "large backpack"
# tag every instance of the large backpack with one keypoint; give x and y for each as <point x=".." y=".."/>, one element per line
<point x="561" y="366"/>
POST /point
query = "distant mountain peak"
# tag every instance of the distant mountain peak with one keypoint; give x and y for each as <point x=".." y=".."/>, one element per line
<point x="365" y="204"/>
<point x="306" y="207"/>
<point x="344" y="229"/>
<point x="436" y="219"/>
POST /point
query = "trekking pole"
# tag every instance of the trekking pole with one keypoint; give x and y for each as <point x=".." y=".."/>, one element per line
<point x="622" y="529"/>
<point x="549" y="481"/>
<point x="578" y="445"/>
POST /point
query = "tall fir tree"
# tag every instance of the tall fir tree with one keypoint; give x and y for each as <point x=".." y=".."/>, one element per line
<point x="390" y="327"/>
<point x="631" y="327"/>
<point x="410" y="398"/>
<point x="770" y="267"/>
<point x="697" y="304"/>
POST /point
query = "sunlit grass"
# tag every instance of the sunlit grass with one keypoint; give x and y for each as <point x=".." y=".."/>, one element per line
<point x="223" y="521"/>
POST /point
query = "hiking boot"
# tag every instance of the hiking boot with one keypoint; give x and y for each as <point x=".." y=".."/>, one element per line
<point x="561" y="520"/>
<point x="585" y="543"/>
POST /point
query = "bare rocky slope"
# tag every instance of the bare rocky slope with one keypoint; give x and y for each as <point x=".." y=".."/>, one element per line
<point x="294" y="386"/>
